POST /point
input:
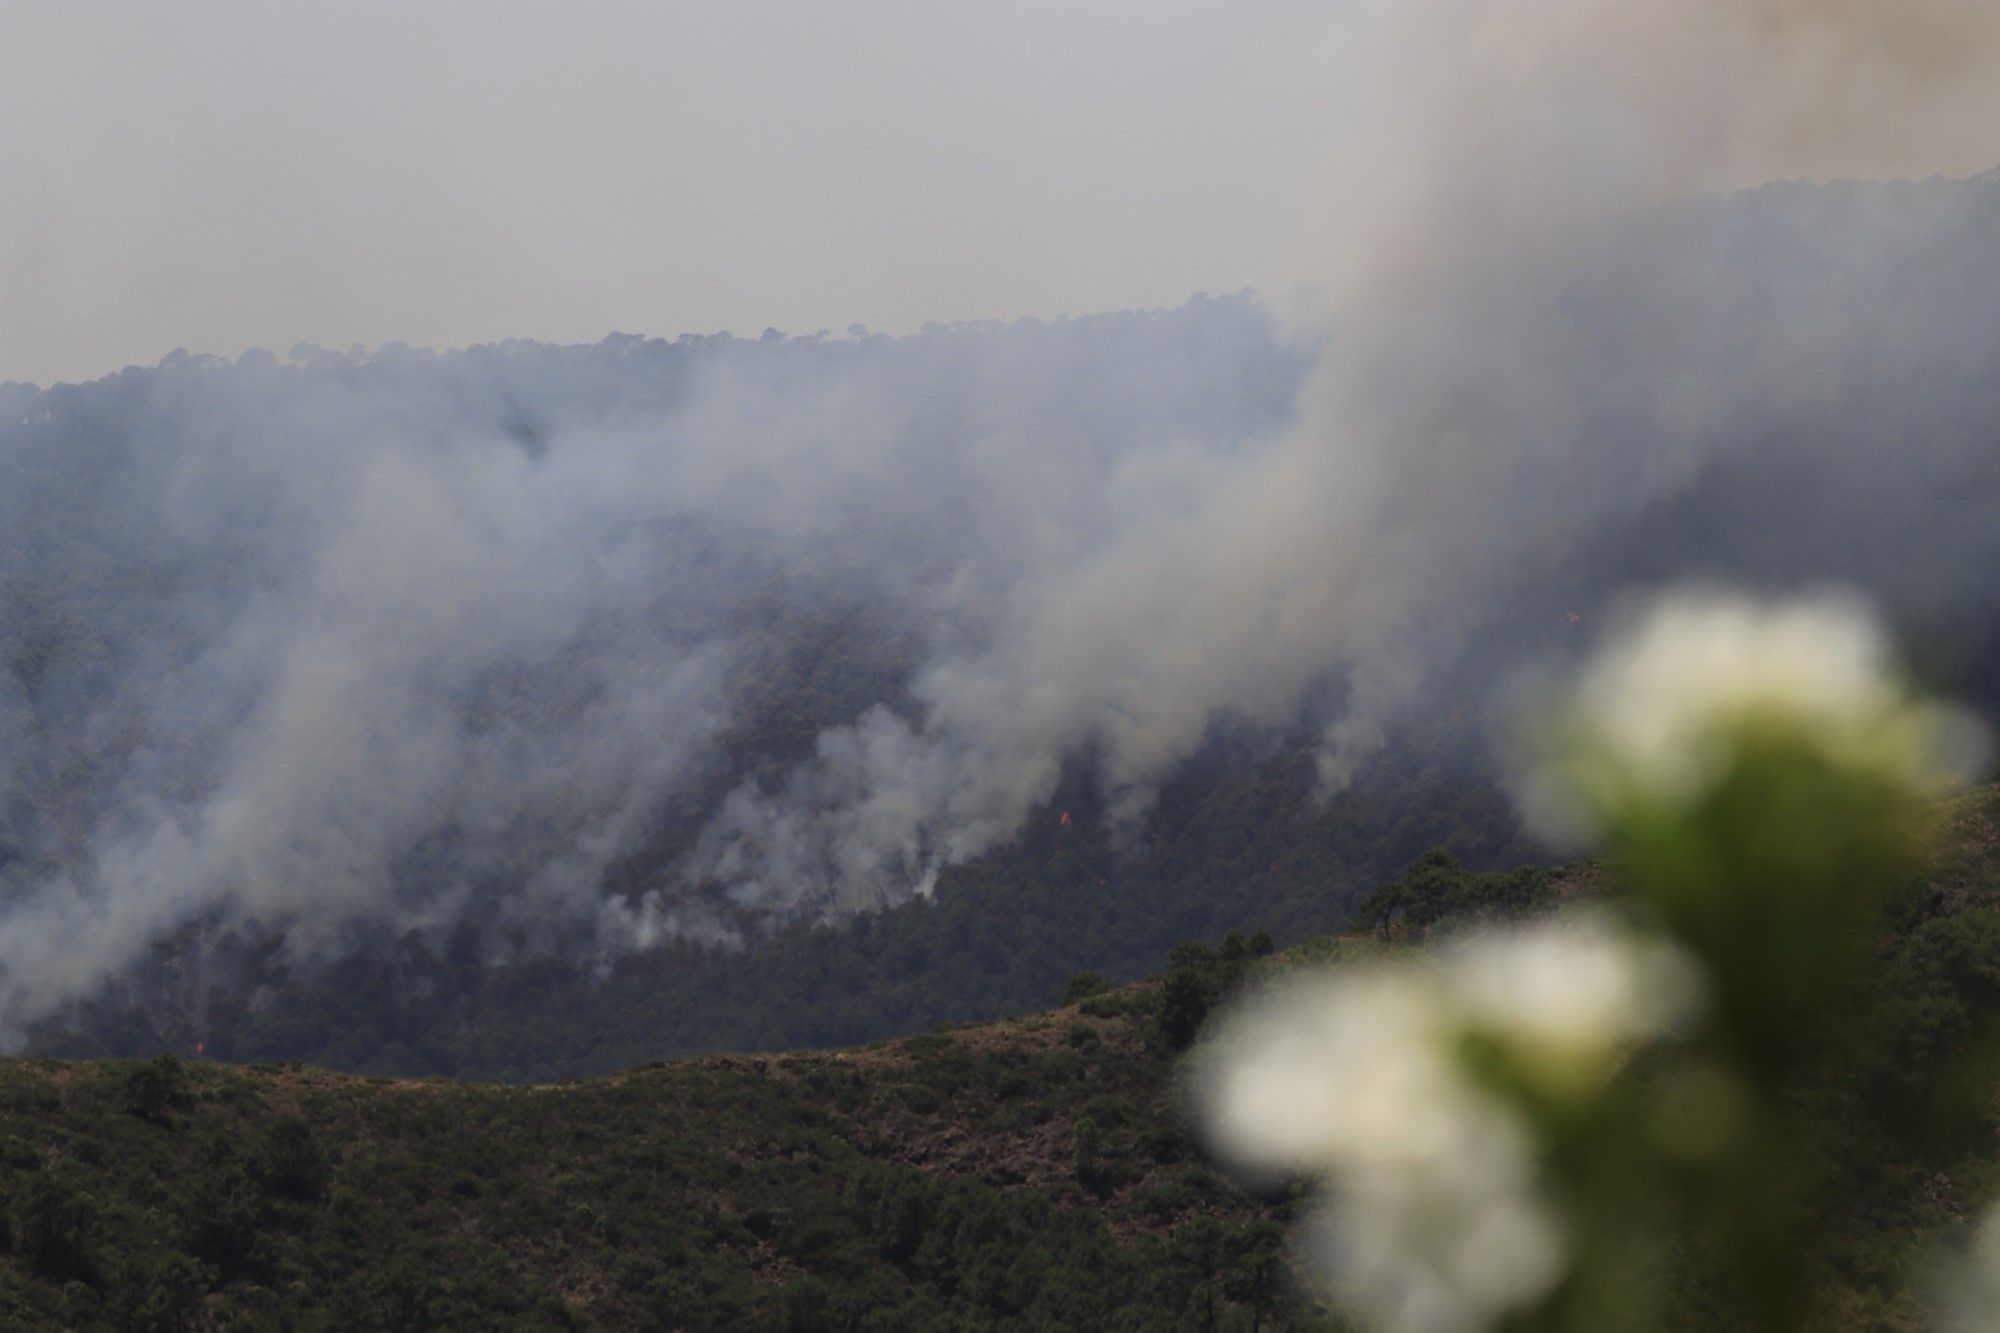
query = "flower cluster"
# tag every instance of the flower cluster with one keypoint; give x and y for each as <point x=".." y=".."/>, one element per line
<point x="1660" y="715"/>
<point x="1436" y="1215"/>
<point x="1762" y="782"/>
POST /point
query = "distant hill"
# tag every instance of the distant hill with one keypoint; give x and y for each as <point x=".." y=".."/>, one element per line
<point x="1035" y="1172"/>
<point x="529" y="711"/>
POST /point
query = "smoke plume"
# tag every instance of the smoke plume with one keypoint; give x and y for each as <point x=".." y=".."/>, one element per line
<point x="1536" y="337"/>
<point x="587" y="648"/>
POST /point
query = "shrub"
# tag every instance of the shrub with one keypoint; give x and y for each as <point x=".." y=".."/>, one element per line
<point x="289" y="1160"/>
<point x="1012" y="1083"/>
<point x="158" y="1292"/>
<point x="56" y="1225"/>
<point x="1107" y="1005"/>
<point x="1199" y="978"/>
<point x="1082" y="987"/>
<point x="224" y="1211"/>
<point x="152" y="1089"/>
<point x="919" y="1098"/>
<point x="1061" y="1065"/>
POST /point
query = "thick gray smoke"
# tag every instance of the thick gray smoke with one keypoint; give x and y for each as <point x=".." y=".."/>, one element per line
<point x="588" y="648"/>
<point x="1523" y="358"/>
<point x="425" y="641"/>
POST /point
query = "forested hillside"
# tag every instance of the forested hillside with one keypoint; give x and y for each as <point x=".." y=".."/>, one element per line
<point x="530" y="711"/>
<point x="1037" y="1172"/>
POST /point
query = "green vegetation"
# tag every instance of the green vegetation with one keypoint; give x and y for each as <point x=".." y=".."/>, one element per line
<point x="1030" y="1174"/>
<point x="1035" y="1173"/>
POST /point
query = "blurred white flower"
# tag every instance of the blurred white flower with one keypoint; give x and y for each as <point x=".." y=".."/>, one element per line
<point x="1568" y="996"/>
<point x="1338" y="1070"/>
<point x="1436" y="1216"/>
<point x="1971" y="1281"/>
<point x="1659" y="712"/>
<point x="1437" y="1249"/>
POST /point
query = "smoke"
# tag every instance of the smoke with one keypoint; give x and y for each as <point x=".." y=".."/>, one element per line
<point x="1497" y="274"/>
<point x="1483" y="135"/>
<point x="481" y="640"/>
<point x="1523" y="357"/>
<point x="587" y="648"/>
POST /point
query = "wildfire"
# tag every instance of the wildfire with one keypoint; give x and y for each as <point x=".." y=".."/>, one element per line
<point x="200" y="1046"/>
<point x="1065" y="821"/>
<point x="1572" y="618"/>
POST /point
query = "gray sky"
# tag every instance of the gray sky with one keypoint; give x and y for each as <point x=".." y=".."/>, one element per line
<point x="217" y="175"/>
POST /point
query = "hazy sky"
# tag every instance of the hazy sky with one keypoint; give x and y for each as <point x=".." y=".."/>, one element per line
<point x="218" y="175"/>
